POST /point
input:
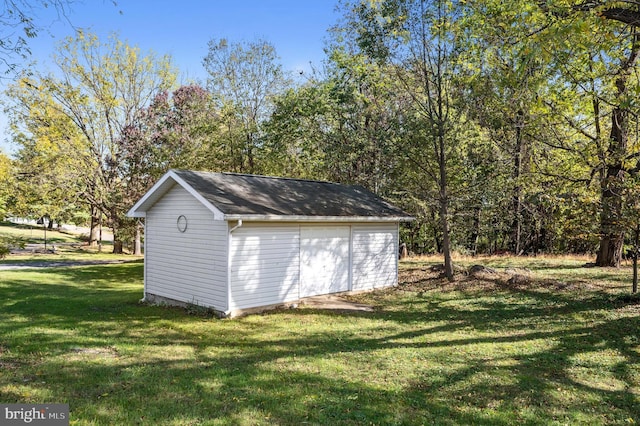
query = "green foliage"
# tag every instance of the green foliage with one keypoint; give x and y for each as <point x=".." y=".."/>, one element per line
<point x="21" y="17"/>
<point x="244" y="78"/>
<point x="342" y="126"/>
<point x="501" y="125"/>
<point x="46" y="166"/>
<point x="7" y="185"/>
<point x="69" y="123"/>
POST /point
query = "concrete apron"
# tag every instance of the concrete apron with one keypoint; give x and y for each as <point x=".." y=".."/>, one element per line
<point x="333" y="302"/>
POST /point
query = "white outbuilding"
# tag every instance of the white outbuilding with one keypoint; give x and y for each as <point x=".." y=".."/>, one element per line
<point x="236" y="242"/>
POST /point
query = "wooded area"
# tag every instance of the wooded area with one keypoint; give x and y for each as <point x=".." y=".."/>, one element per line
<point x="503" y="126"/>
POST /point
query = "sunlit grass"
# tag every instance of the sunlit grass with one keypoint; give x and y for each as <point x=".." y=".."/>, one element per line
<point x="476" y="352"/>
<point x="36" y="234"/>
<point x="61" y="246"/>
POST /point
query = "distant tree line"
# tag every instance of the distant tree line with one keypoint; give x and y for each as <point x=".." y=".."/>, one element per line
<point x="501" y="125"/>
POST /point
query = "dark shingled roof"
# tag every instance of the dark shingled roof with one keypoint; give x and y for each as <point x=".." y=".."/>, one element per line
<point x="240" y="194"/>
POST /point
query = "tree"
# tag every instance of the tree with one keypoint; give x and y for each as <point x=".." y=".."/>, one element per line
<point x="99" y="88"/>
<point x="340" y="125"/>
<point x="7" y="182"/>
<point x="177" y="130"/>
<point x="589" y="51"/>
<point x="297" y="132"/>
<point x="500" y="92"/>
<point x="602" y="66"/>
<point x="45" y="179"/>
<point x="415" y="37"/>
<point x="244" y="78"/>
<point x="19" y="23"/>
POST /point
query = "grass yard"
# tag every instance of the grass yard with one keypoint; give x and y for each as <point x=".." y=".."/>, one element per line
<point x="560" y="348"/>
<point x="68" y="247"/>
<point x="35" y="234"/>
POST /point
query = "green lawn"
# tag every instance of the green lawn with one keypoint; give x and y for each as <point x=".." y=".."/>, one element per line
<point x="68" y="247"/>
<point x="35" y="234"/>
<point x="560" y="349"/>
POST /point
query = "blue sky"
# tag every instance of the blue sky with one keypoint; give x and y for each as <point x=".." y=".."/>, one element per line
<point x="182" y="28"/>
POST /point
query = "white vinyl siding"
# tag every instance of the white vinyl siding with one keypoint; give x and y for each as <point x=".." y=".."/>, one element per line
<point x="375" y="256"/>
<point x="324" y="259"/>
<point x="265" y="265"/>
<point x="188" y="266"/>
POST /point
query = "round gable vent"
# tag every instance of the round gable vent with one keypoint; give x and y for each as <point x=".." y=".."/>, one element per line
<point x="182" y="223"/>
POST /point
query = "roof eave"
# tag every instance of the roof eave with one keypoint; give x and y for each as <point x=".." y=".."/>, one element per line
<point x="300" y="218"/>
<point x="140" y="208"/>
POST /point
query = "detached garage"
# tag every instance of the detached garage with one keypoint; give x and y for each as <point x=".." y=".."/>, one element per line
<point x="235" y="242"/>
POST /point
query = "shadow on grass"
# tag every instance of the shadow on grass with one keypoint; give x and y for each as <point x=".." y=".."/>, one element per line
<point x="78" y="335"/>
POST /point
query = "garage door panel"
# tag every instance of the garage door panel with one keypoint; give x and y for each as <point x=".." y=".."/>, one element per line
<point x="374" y="257"/>
<point x="324" y="259"/>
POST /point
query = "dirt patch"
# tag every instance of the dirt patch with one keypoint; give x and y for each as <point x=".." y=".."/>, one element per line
<point x="7" y="364"/>
<point x="83" y="354"/>
<point x="335" y="303"/>
<point x="477" y="278"/>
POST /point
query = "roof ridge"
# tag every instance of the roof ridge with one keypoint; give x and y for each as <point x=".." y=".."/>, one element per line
<point x="280" y="178"/>
<point x="267" y="177"/>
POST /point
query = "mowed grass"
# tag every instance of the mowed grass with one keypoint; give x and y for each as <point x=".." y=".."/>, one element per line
<point x="36" y="234"/>
<point x="66" y="247"/>
<point x="561" y="348"/>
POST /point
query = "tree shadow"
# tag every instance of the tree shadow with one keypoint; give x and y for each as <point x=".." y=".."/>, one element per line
<point x="464" y="357"/>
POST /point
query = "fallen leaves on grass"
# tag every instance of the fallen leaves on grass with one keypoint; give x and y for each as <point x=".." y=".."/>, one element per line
<point x="480" y="278"/>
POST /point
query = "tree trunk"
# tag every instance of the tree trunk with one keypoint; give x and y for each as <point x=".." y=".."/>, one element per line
<point x="117" y="246"/>
<point x="137" y="246"/>
<point x="634" y="287"/>
<point x="636" y="243"/>
<point x="115" y="229"/>
<point x="516" y="226"/>
<point x="444" y="204"/>
<point x="610" y="252"/>
<point x="475" y="231"/>
<point x="433" y="224"/>
<point x="611" y="223"/>
<point x="94" y="227"/>
<point x="446" y="242"/>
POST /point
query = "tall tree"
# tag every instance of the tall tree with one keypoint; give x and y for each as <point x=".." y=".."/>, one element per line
<point x="590" y="54"/>
<point x="340" y="125"/>
<point x="501" y="93"/>
<point x="244" y="78"/>
<point x="7" y="182"/>
<point x="415" y="36"/>
<point x="99" y="87"/>
<point x="600" y="62"/>
<point x="177" y="130"/>
<point x="297" y="132"/>
<point x="46" y="164"/>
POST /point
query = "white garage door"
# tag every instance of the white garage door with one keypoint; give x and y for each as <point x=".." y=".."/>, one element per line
<point x="324" y="259"/>
<point x="375" y="254"/>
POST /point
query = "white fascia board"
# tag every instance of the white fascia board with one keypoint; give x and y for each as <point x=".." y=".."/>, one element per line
<point x="140" y="208"/>
<point x="293" y="218"/>
<point x="160" y="188"/>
